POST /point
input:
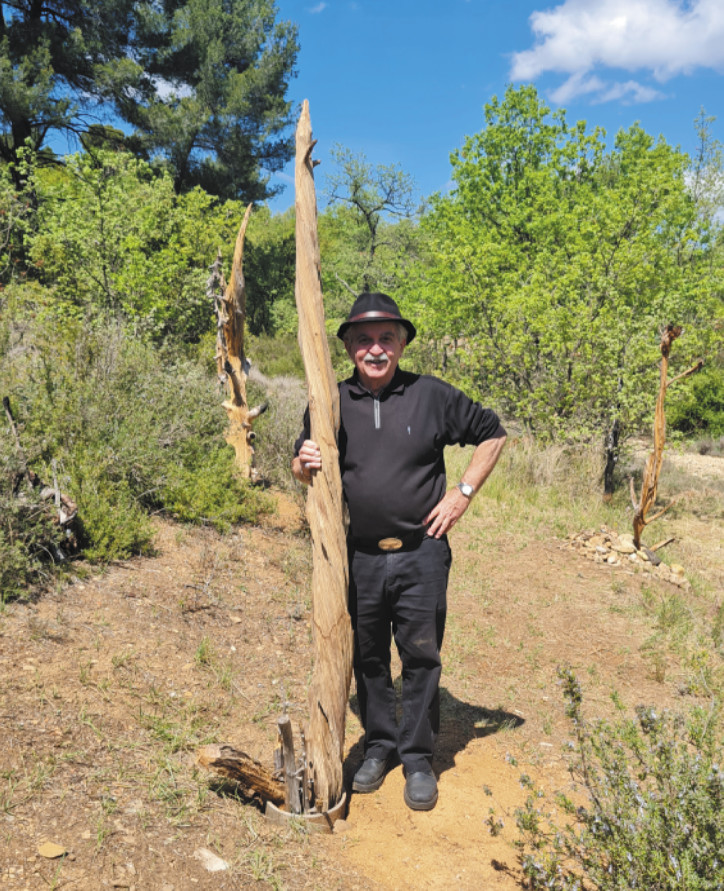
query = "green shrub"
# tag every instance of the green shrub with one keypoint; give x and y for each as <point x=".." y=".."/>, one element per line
<point x="209" y="493"/>
<point x="698" y="407"/>
<point x="112" y="522"/>
<point x="31" y="544"/>
<point x="654" y="818"/>
<point x="134" y="429"/>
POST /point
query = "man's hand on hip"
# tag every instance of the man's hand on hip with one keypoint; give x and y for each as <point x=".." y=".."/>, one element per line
<point x="446" y="513"/>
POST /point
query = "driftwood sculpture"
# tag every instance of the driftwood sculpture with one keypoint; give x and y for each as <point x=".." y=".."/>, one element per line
<point x="332" y="631"/>
<point x="232" y="365"/>
<point x="650" y="482"/>
<point x="310" y="782"/>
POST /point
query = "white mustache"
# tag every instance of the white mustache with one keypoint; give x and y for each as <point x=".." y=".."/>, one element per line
<point x="376" y="360"/>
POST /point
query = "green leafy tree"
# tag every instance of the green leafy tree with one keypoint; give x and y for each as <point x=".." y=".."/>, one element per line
<point x="52" y="54"/>
<point x="368" y="235"/>
<point x="269" y="271"/>
<point x="202" y="82"/>
<point x="114" y="236"/>
<point x="557" y="261"/>
<point x="218" y="116"/>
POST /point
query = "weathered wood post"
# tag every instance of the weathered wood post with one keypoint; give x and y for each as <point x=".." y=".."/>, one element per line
<point x="231" y="363"/>
<point x="331" y="627"/>
<point x="650" y="482"/>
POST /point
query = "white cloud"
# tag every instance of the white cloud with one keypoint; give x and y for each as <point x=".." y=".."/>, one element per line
<point x="662" y="37"/>
<point x="320" y="7"/>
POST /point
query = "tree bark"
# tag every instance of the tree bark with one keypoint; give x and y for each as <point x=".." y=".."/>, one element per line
<point x="331" y="627"/>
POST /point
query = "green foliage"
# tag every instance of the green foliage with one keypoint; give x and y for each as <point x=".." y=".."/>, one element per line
<point x="30" y="542"/>
<point x="269" y="273"/>
<point x="698" y="407"/>
<point x="276" y="356"/>
<point x="207" y="492"/>
<point x="368" y="235"/>
<point x="225" y="118"/>
<point x="16" y="217"/>
<point x="655" y="811"/>
<point x="113" y="236"/>
<point x="51" y="57"/>
<point x="202" y="82"/>
<point x="134" y="429"/>
<point x="555" y="263"/>
<point x="112" y="522"/>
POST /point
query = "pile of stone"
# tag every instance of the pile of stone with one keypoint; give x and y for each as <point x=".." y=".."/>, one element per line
<point x="608" y="547"/>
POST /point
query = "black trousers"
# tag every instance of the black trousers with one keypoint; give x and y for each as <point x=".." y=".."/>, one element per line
<point x="400" y="593"/>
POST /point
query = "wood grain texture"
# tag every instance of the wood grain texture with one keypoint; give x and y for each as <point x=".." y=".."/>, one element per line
<point x="331" y="627"/>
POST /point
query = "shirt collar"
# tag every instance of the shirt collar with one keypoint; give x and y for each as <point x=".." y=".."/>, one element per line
<point x="396" y="385"/>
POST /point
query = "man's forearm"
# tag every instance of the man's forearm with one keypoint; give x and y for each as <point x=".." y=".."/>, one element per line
<point x="484" y="459"/>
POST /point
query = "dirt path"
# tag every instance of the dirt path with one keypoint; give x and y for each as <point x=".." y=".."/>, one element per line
<point x="109" y="685"/>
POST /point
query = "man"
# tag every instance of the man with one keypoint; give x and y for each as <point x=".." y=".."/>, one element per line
<point x="394" y="428"/>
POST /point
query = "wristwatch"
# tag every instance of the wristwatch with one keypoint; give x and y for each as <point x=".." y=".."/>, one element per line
<point x="467" y="490"/>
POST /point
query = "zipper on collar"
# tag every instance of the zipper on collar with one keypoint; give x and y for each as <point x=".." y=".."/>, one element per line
<point x="376" y="403"/>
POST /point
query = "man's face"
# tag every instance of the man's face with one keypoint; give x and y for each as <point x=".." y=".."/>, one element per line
<point x="375" y="348"/>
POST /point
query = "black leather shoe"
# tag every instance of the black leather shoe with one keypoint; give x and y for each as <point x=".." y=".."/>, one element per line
<point x="370" y="775"/>
<point x="421" y="791"/>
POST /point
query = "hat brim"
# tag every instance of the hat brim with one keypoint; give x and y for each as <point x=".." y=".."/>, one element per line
<point x="378" y="317"/>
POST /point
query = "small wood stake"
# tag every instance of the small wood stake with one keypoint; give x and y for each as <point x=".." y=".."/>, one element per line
<point x="291" y="780"/>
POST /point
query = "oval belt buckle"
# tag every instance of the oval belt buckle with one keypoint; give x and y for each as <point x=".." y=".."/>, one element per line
<point x="389" y="544"/>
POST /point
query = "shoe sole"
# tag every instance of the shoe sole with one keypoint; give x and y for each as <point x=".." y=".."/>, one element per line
<point x="420" y="805"/>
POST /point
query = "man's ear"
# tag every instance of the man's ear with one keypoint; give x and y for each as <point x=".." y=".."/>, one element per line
<point x="348" y="346"/>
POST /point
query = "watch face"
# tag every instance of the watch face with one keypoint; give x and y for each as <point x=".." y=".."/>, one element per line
<point x="466" y="489"/>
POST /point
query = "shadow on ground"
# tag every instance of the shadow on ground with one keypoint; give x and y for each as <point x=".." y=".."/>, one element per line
<point x="460" y="722"/>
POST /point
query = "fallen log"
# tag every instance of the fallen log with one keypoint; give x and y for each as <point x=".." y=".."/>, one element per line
<point x="253" y="778"/>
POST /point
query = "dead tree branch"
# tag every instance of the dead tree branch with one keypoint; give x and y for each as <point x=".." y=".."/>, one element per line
<point x="649" y="484"/>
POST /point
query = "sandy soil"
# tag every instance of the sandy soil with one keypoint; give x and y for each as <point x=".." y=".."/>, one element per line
<point x="109" y="685"/>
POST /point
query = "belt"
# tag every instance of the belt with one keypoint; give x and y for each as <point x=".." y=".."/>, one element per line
<point x="408" y="541"/>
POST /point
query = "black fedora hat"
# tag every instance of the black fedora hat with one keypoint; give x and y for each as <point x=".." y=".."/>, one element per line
<point x="376" y="307"/>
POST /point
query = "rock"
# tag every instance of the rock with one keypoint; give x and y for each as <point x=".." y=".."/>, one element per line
<point x="50" y="850"/>
<point x="210" y="861"/>
<point x="611" y="560"/>
<point x="677" y="569"/>
<point x="601" y="550"/>
<point x="623" y="547"/>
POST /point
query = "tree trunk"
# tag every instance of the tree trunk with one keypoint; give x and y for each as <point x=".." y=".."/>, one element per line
<point x="611" y="451"/>
<point x="332" y="632"/>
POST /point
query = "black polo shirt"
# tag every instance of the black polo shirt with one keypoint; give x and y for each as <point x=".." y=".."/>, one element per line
<point x="391" y="448"/>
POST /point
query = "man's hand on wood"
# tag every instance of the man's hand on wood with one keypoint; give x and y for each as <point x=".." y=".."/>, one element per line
<point x="308" y="461"/>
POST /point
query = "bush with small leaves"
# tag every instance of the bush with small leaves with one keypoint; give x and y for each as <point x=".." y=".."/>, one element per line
<point x="654" y="817"/>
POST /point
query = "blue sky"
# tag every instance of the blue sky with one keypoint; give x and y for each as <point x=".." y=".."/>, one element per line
<point x="404" y="81"/>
